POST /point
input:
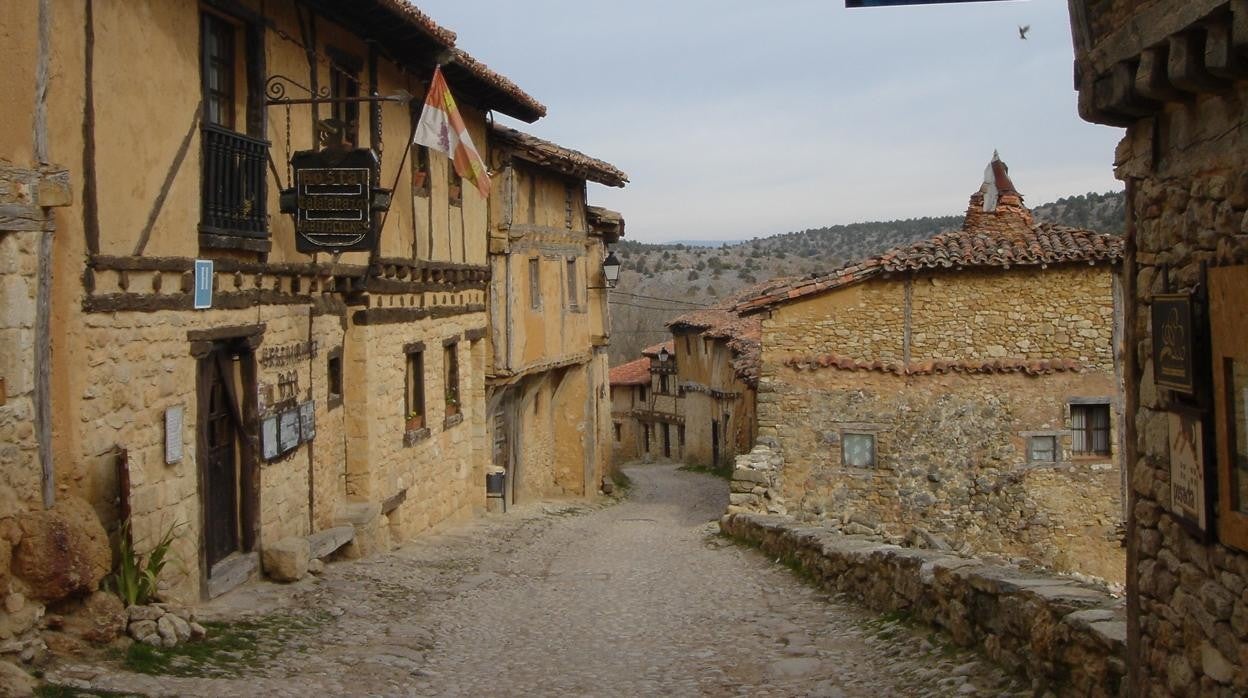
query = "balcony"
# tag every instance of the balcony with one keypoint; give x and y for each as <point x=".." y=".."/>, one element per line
<point x="234" y="201"/>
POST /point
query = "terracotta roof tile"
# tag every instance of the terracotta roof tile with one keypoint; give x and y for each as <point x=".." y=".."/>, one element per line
<point x="523" y="106"/>
<point x="1004" y="237"/>
<point x="653" y="350"/>
<point x="636" y="372"/>
<point x="559" y="158"/>
<point x="1031" y="367"/>
<point x="414" y="17"/>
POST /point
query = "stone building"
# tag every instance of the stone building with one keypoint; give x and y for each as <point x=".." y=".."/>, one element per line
<point x="1173" y="73"/>
<point x="206" y="372"/>
<point x="630" y="388"/>
<point x="549" y="413"/>
<point x="645" y="403"/>
<point x="962" y="387"/>
<point x="716" y="353"/>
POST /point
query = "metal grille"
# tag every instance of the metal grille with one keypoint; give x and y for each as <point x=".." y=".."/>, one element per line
<point x="234" y="200"/>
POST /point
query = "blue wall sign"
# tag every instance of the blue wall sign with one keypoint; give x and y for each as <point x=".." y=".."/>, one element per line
<point x="203" y="283"/>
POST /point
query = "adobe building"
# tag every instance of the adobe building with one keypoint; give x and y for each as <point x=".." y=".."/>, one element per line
<point x="645" y="402"/>
<point x="177" y="353"/>
<point x="717" y="356"/>
<point x="961" y="388"/>
<point x="630" y="388"/>
<point x="546" y="384"/>
<point x="1172" y="73"/>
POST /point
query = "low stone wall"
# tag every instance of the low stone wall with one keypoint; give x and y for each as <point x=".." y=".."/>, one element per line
<point x="1067" y="637"/>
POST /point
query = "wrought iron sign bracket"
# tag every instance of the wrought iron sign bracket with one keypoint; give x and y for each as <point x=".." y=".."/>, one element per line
<point x="275" y="91"/>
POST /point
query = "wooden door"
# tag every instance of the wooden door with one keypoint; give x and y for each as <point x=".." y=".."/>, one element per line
<point x="219" y="456"/>
<point x="714" y="443"/>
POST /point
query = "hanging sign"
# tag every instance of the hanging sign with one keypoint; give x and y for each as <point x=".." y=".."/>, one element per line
<point x="333" y="200"/>
<point x="1187" y="469"/>
<point x="1173" y="365"/>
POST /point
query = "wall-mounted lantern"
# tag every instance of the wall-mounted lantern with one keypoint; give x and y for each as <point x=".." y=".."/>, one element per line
<point x="664" y="355"/>
<point x="611" y="269"/>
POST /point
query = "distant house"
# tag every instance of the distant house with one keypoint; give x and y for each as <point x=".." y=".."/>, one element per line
<point x="964" y="385"/>
<point x="717" y="359"/>
<point x="546" y="382"/>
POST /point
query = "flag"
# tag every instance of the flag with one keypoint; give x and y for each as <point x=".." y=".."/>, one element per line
<point x="441" y="128"/>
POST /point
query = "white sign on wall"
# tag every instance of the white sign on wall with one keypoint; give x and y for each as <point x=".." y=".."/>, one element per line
<point x="173" y="434"/>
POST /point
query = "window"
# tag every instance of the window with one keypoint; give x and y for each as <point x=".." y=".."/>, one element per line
<point x="663" y="385"/>
<point x="688" y="346"/>
<point x="680" y="434"/>
<point x="535" y="282"/>
<point x="219" y="65"/>
<point x="1042" y="449"/>
<point x="420" y="169"/>
<point x="619" y="431"/>
<point x="454" y="185"/>
<point x="344" y="83"/>
<point x="1089" y="425"/>
<point x="416" y="388"/>
<point x="451" y="367"/>
<point x="572" y="295"/>
<point x="641" y="393"/>
<point x="333" y="378"/>
<point x="858" y="450"/>
<point x="706" y="346"/>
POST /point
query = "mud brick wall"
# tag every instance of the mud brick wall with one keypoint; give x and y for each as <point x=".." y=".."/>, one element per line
<point x="1068" y="637"/>
<point x="19" y="464"/>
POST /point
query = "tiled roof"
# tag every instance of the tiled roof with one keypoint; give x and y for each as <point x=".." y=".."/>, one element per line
<point x="1002" y="238"/>
<point x="1030" y="367"/>
<point x="414" y="17"/>
<point x="522" y="105"/>
<point x="559" y="158"/>
<point x="653" y="350"/>
<point x="604" y="221"/>
<point x="636" y="372"/>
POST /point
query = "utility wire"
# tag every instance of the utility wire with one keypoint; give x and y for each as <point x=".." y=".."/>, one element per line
<point x="657" y="298"/>
<point x="651" y="307"/>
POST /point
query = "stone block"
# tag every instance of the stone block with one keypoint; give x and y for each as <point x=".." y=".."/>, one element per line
<point x="326" y="542"/>
<point x="287" y="559"/>
<point x="63" y="551"/>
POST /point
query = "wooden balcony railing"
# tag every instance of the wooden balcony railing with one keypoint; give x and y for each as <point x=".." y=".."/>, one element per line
<point x="233" y="184"/>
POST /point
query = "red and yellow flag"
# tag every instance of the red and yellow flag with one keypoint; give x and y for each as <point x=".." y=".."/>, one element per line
<point x="442" y="128"/>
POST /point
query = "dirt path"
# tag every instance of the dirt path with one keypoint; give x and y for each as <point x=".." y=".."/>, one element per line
<point x="633" y="599"/>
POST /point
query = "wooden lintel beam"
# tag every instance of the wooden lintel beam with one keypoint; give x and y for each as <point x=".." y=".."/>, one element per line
<point x="1152" y="79"/>
<point x="1220" y="57"/>
<point x="1186" y="65"/>
<point x="1123" y="96"/>
<point x="1239" y="27"/>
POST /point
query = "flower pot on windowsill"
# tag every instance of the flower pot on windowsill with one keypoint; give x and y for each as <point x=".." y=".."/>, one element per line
<point x="456" y="193"/>
<point x="415" y="423"/>
<point x="420" y="180"/>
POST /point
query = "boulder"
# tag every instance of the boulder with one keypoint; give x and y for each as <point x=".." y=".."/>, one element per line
<point x="62" y="551"/>
<point x="287" y="559"/>
<point x="140" y="629"/>
<point x="167" y="630"/>
<point x="315" y="566"/>
<point x="14" y="682"/>
<point x="101" y="618"/>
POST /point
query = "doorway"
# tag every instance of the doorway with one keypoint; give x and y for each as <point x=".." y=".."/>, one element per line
<point x="227" y="464"/>
<point x="714" y="443"/>
<point x="667" y="440"/>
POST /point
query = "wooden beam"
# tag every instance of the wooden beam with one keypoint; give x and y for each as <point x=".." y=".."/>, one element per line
<point x="1221" y="58"/>
<point x="1186" y="65"/>
<point x="1152" y="79"/>
<point x="1123" y="97"/>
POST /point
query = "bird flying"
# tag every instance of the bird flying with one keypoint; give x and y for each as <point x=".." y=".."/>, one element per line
<point x="1022" y="31"/>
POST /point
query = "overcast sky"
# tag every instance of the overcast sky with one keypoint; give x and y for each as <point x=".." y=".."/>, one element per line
<point x="739" y="119"/>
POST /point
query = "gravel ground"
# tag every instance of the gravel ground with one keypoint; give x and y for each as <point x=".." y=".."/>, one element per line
<point x="638" y="598"/>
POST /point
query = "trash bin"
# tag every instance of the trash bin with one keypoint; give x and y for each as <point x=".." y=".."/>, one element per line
<point x="496" y="487"/>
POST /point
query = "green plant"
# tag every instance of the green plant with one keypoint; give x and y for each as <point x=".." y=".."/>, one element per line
<point x="136" y="575"/>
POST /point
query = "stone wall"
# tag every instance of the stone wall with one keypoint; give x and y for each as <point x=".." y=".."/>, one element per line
<point x="951" y="393"/>
<point x="1190" y="206"/>
<point x="1066" y="636"/>
<point x="19" y="466"/>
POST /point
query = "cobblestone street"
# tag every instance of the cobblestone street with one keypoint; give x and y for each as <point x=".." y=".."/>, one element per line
<point x="642" y="597"/>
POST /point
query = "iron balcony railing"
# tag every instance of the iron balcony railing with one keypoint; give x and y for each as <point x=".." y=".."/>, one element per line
<point x="234" y="195"/>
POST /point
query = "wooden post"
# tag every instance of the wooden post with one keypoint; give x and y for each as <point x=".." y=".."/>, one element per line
<point x="43" y="293"/>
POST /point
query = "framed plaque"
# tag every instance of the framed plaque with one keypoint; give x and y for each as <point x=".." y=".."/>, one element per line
<point x="288" y="430"/>
<point x="307" y="421"/>
<point x="1173" y="360"/>
<point x="173" y="434"/>
<point x="1187" y="469"/>
<point x="268" y="438"/>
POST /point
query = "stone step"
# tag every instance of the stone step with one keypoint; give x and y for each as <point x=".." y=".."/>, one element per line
<point x="231" y="572"/>
<point x="328" y="541"/>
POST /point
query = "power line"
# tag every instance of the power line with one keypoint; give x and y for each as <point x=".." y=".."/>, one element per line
<point x="650" y="307"/>
<point x="657" y="298"/>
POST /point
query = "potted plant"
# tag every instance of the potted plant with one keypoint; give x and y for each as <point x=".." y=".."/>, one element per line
<point x="415" y="421"/>
<point x="452" y="403"/>
<point x="420" y="179"/>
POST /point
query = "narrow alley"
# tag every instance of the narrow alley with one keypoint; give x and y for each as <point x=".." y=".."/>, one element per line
<point x="642" y="597"/>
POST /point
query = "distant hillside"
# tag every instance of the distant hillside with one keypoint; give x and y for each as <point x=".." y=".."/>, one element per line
<point x="661" y="280"/>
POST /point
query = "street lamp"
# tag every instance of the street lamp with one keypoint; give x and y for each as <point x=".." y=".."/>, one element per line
<point x="664" y="355"/>
<point x="611" y="269"/>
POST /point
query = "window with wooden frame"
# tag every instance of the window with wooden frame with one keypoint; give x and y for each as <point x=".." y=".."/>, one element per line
<point x="415" y="402"/>
<point x="344" y="83"/>
<point x="333" y="378"/>
<point x="573" y="297"/>
<point x="1089" y="427"/>
<point x="664" y="384"/>
<point x="420" y="169"/>
<point x="219" y="46"/>
<point x="450" y="367"/>
<point x="619" y="431"/>
<point x="454" y="184"/>
<point x="535" y="282"/>
<point x="1228" y="296"/>
<point x="857" y="450"/>
<point x="641" y="394"/>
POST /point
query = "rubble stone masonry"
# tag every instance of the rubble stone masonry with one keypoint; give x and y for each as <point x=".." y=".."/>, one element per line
<point x="951" y="443"/>
<point x="19" y="466"/>
<point x="1190" y="206"/>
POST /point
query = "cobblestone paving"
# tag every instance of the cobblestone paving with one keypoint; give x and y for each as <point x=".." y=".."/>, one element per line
<point x="640" y="598"/>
